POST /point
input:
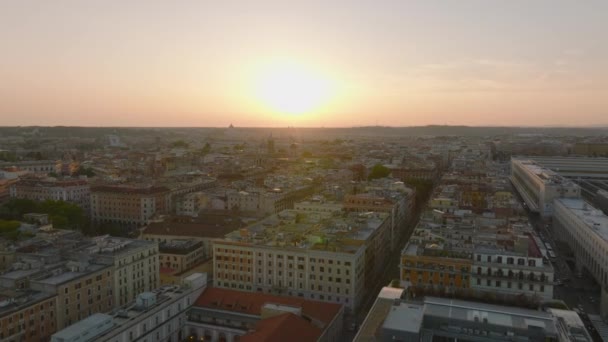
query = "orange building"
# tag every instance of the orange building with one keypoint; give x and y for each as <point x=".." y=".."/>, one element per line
<point x="127" y="205"/>
<point x="435" y="269"/>
<point x="27" y="315"/>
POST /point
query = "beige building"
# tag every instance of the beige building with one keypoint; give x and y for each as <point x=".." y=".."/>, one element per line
<point x="27" y="315"/>
<point x="76" y="191"/>
<point x="135" y="264"/>
<point x="130" y="206"/>
<point x="82" y="289"/>
<point x="180" y="255"/>
<point x="305" y="255"/>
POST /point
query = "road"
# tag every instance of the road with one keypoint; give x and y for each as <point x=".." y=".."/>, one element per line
<point x="579" y="291"/>
<point x="390" y="272"/>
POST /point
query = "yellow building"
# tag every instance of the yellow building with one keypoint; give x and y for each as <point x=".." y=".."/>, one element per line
<point x="434" y="268"/>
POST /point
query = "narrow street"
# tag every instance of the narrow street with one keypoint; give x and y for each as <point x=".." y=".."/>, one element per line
<point x="390" y="272"/>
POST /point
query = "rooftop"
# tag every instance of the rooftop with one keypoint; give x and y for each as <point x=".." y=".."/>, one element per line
<point x="593" y="218"/>
<point x="70" y="275"/>
<point x="14" y="300"/>
<point x="284" y="327"/>
<point x="179" y="246"/>
<point x="251" y="303"/>
<point x="309" y="230"/>
<point x="509" y="317"/>
<point x="129" y="189"/>
<point x="206" y="226"/>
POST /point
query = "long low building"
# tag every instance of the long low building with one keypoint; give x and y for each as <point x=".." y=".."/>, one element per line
<point x="575" y="167"/>
<point x="540" y="186"/>
<point x="585" y="229"/>
<point x="440" y="319"/>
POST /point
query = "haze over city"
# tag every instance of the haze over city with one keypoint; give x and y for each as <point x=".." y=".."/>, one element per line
<point x="303" y="171"/>
<point x="305" y="64"/>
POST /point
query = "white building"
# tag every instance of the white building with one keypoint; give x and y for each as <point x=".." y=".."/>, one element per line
<point x="539" y="186"/>
<point x="159" y="315"/>
<point x="512" y="273"/>
<point x="585" y="229"/>
<point x="136" y="265"/>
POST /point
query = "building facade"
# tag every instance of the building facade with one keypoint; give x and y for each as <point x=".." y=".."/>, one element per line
<point x="135" y="265"/>
<point x="539" y="186"/>
<point x="511" y="273"/>
<point x="159" y="315"/>
<point x="585" y="230"/>
<point x="128" y="206"/>
<point x="76" y="191"/>
<point x="82" y="289"/>
<point x="27" y="315"/>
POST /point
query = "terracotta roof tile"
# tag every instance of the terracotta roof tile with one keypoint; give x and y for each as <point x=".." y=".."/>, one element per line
<point x="251" y="303"/>
<point x="284" y="327"/>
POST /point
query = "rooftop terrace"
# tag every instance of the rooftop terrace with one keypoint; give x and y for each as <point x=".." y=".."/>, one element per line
<point x="306" y="230"/>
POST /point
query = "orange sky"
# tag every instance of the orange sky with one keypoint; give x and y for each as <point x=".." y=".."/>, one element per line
<point x="200" y="63"/>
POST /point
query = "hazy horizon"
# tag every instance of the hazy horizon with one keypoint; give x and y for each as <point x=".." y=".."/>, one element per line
<point x="272" y="64"/>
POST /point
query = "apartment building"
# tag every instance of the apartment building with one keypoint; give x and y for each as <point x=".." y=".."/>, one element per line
<point x="129" y="206"/>
<point x="76" y="191"/>
<point x="5" y="185"/>
<point x="299" y="254"/>
<point x="267" y="201"/>
<point x="181" y="255"/>
<point x="81" y="289"/>
<point x="519" y="271"/>
<point x="27" y="315"/>
<point x="157" y="315"/>
<point x="539" y="186"/>
<point x="452" y="256"/>
<point x="390" y="197"/>
<point x="430" y="265"/>
<point x="34" y="166"/>
<point x="135" y="265"/>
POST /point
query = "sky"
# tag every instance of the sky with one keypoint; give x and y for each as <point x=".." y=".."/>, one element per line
<point x="392" y="63"/>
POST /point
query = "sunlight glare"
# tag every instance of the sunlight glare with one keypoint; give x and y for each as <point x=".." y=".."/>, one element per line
<point x="294" y="89"/>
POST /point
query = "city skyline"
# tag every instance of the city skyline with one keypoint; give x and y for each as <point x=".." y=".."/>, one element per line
<point x="306" y="65"/>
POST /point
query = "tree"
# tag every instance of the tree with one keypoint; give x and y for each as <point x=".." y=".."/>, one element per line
<point x="379" y="171"/>
<point x="179" y="144"/>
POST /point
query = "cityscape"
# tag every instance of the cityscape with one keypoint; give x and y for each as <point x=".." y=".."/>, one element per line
<point x="269" y="171"/>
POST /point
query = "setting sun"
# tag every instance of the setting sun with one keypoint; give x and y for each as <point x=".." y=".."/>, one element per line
<point x="289" y="88"/>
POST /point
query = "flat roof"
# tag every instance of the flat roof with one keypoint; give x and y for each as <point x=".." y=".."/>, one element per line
<point x="305" y="230"/>
<point x="67" y="276"/>
<point x="593" y="218"/>
<point x="404" y="317"/>
<point x="376" y="315"/>
<point x="87" y="324"/>
<point x="511" y="317"/>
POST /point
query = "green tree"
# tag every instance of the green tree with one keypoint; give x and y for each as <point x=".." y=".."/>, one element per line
<point x="8" y="226"/>
<point x="379" y="171"/>
<point x="179" y="144"/>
